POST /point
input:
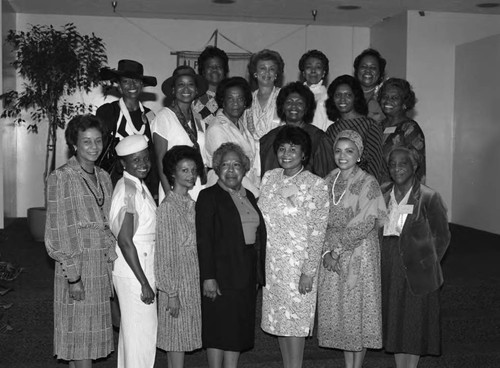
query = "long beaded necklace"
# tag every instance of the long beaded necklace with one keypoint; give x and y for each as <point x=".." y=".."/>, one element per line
<point x="333" y="191"/>
<point x="99" y="201"/>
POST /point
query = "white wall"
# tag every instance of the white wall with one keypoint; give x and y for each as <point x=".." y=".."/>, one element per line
<point x="476" y="174"/>
<point x="8" y="163"/>
<point x="431" y="70"/>
<point x="151" y="41"/>
<point x="390" y="38"/>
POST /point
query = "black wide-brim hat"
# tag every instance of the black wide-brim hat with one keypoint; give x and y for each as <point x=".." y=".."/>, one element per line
<point x="128" y="69"/>
<point x="180" y="71"/>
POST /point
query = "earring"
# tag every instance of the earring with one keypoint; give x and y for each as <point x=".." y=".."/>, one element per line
<point x="404" y="107"/>
<point x="255" y="75"/>
<point x="359" y="160"/>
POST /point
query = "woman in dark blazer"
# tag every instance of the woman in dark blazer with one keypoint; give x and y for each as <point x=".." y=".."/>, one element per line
<point x="231" y="238"/>
<point x="416" y="238"/>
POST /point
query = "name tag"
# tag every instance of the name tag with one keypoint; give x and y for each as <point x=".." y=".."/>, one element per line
<point x="390" y="130"/>
<point x="406" y="209"/>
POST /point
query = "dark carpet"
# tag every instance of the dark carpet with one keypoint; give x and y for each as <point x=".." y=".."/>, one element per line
<point x="470" y="311"/>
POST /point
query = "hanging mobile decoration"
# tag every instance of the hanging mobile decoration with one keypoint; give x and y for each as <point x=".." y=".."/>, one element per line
<point x="314" y="13"/>
<point x="114" y="4"/>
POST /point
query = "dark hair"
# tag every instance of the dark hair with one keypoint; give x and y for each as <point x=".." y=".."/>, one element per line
<point x="408" y="96"/>
<point x="360" y="105"/>
<point x="317" y="55"/>
<point x="213" y="52"/>
<point x="381" y="62"/>
<point x="266" y="54"/>
<point x="176" y="154"/>
<point x="413" y="155"/>
<point x="294" y="135"/>
<point x="225" y="148"/>
<point x="304" y="92"/>
<point x="239" y="82"/>
<point x="81" y="123"/>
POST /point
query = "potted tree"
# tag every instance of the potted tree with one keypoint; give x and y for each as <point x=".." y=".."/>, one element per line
<point x="54" y="64"/>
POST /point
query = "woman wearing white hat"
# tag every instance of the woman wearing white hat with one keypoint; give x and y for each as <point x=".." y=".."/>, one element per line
<point x="133" y="221"/>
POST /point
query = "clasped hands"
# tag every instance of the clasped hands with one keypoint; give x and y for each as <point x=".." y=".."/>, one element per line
<point x="331" y="262"/>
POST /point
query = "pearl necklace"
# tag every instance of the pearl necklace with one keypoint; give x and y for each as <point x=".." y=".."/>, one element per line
<point x="291" y="177"/>
<point x="333" y="191"/>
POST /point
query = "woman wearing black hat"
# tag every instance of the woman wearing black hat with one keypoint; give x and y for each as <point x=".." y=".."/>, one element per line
<point x="127" y="116"/>
<point x="175" y="125"/>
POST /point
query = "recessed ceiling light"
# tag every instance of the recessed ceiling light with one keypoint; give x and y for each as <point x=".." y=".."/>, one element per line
<point x="223" y="1"/>
<point x="348" y="7"/>
<point x="488" y="5"/>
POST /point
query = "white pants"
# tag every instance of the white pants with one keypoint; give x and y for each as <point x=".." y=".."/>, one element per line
<point x="138" y="326"/>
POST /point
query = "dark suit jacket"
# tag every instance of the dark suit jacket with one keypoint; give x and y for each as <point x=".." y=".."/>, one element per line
<point x="222" y="252"/>
<point x="424" y="238"/>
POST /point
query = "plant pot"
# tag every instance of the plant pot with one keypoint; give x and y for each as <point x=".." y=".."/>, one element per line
<point x="36" y="223"/>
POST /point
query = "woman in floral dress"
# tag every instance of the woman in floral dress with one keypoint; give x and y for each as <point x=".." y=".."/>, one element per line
<point x="349" y="291"/>
<point x="294" y="203"/>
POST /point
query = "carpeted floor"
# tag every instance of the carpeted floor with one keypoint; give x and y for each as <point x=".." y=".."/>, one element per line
<point x="470" y="310"/>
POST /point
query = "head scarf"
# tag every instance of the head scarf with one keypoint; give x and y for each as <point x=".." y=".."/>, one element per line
<point x="354" y="137"/>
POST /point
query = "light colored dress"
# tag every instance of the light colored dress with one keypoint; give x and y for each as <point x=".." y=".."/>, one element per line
<point x="167" y="125"/>
<point x="223" y="130"/>
<point x="295" y="210"/>
<point x="78" y="238"/>
<point x="349" y="303"/>
<point x="178" y="274"/>
<point x="138" y="323"/>
<point x="320" y="119"/>
<point x="260" y="120"/>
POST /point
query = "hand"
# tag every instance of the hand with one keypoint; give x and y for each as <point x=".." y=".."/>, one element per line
<point x="305" y="283"/>
<point x="173" y="306"/>
<point x="77" y="291"/>
<point x="330" y="263"/>
<point x="211" y="289"/>
<point x="147" y="294"/>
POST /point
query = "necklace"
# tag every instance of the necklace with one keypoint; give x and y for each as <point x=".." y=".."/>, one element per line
<point x="333" y="191"/>
<point x="99" y="200"/>
<point x="90" y="173"/>
<point x="293" y="176"/>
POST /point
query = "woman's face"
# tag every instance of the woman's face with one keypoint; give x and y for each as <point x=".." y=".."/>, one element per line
<point x="266" y="72"/>
<point x="368" y="71"/>
<point x="185" y="174"/>
<point x="294" y="108"/>
<point x="346" y="154"/>
<point x="391" y="101"/>
<point x="213" y="71"/>
<point x="137" y="164"/>
<point x="234" y="103"/>
<point x="290" y="156"/>
<point x="344" y="99"/>
<point x="401" y="168"/>
<point x="231" y="170"/>
<point x="88" y="145"/>
<point x="314" y="71"/>
<point x="185" y="89"/>
<point x="130" y="88"/>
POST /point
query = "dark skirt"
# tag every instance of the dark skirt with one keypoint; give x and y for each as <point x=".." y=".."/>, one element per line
<point x="228" y="322"/>
<point x="411" y="324"/>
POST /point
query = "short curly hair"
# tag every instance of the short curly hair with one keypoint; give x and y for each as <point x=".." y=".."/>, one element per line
<point x="374" y="53"/>
<point x="232" y="82"/>
<point x="294" y="135"/>
<point x="360" y="105"/>
<point x="213" y="52"/>
<point x="317" y="55"/>
<point x="266" y="54"/>
<point x="81" y="123"/>
<point x="301" y="90"/>
<point x="225" y="148"/>
<point x="413" y="155"/>
<point x="408" y="96"/>
<point x="177" y="154"/>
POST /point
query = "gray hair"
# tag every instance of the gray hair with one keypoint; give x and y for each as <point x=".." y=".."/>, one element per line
<point x="225" y="148"/>
<point x="413" y="155"/>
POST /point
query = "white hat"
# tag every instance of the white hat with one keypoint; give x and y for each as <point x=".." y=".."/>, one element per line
<point x="131" y="144"/>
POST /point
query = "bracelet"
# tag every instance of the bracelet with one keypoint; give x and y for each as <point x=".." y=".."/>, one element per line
<point x="76" y="281"/>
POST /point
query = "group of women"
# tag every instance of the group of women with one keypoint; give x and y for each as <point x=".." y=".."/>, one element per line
<point x="314" y="193"/>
